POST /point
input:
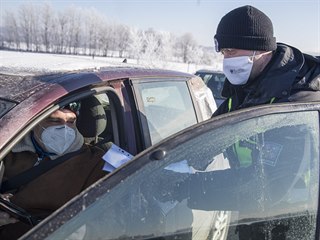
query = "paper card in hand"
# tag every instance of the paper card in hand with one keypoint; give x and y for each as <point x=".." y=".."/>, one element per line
<point x="115" y="157"/>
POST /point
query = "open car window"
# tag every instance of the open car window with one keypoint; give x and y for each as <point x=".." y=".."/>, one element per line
<point x="92" y="123"/>
<point x="258" y="177"/>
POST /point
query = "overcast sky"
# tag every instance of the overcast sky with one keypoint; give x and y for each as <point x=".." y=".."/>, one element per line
<point x="296" y="22"/>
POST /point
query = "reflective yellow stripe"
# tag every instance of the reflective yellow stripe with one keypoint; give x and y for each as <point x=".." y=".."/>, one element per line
<point x="229" y="104"/>
<point x="272" y="99"/>
<point x="244" y="154"/>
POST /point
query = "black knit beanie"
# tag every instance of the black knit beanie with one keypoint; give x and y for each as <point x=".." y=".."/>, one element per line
<point x="245" y="28"/>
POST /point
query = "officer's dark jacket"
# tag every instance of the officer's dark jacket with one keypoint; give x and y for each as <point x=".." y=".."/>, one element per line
<point x="290" y="76"/>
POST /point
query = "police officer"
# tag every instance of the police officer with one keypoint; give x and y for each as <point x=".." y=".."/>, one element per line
<point x="258" y="69"/>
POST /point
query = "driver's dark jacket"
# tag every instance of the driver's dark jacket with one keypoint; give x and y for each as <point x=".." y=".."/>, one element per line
<point x="290" y="76"/>
<point x="54" y="188"/>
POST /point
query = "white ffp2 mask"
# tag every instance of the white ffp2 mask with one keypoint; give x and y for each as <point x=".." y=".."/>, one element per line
<point x="238" y="69"/>
<point x="57" y="139"/>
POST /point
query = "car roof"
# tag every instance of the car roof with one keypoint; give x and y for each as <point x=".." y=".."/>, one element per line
<point x="209" y="71"/>
<point x="19" y="86"/>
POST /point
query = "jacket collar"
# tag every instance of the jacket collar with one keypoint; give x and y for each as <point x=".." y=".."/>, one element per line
<point x="29" y="144"/>
<point x="24" y="145"/>
<point x="278" y="78"/>
<point x="275" y="80"/>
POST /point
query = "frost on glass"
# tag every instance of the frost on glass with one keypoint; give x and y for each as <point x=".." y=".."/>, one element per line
<point x="277" y="190"/>
<point x="168" y="108"/>
<point x="205" y="101"/>
<point x="197" y="191"/>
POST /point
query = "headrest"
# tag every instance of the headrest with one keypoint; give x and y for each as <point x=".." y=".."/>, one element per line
<point x="92" y="120"/>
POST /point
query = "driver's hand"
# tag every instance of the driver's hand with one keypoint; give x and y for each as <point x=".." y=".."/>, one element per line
<point x="5" y="219"/>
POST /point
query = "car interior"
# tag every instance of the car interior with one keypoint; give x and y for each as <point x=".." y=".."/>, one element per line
<point x="99" y="120"/>
<point x="94" y="122"/>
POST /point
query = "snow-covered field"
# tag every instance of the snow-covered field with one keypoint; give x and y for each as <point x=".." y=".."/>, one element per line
<point x="11" y="61"/>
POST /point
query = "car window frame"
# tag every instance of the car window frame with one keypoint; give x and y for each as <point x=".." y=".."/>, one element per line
<point x="110" y="181"/>
<point x="69" y="97"/>
<point x="219" y="99"/>
<point x="140" y="110"/>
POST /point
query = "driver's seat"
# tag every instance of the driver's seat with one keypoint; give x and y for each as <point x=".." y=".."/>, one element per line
<point x="92" y="119"/>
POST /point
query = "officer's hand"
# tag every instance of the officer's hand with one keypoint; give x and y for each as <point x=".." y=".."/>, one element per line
<point x="5" y="218"/>
<point x="174" y="187"/>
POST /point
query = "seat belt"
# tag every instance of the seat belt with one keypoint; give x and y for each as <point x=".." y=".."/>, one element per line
<point x="34" y="172"/>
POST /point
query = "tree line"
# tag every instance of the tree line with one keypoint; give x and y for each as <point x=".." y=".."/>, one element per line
<point x="40" y="28"/>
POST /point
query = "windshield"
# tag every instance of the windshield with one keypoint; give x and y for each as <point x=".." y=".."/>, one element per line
<point x="200" y="187"/>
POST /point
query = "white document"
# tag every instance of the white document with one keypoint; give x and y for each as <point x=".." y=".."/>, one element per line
<point x="180" y="167"/>
<point x="218" y="163"/>
<point x="115" y="157"/>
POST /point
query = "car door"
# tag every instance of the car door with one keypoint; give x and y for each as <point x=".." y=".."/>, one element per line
<point x="257" y="169"/>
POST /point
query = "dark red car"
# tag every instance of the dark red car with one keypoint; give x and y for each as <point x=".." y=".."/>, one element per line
<point x="248" y="174"/>
<point x="142" y="106"/>
<point x="193" y="184"/>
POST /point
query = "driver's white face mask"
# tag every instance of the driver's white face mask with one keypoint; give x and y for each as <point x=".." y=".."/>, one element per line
<point x="57" y="139"/>
<point x="238" y="69"/>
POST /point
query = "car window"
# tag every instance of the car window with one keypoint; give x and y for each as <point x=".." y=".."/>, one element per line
<point x="167" y="108"/>
<point x="214" y="81"/>
<point x="257" y="179"/>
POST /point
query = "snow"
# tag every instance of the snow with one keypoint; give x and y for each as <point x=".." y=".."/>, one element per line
<point x="12" y="62"/>
<point x="26" y="62"/>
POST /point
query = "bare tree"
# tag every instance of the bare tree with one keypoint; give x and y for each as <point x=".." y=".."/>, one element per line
<point x="47" y="24"/>
<point x="103" y="35"/>
<point x="103" y="39"/>
<point x="61" y="33"/>
<point x="207" y="57"/>
<point x="122" y="35"/>
<point x="77" y="34"/>
<point x="55" y="33"/>
<point x="11" y="30"/>
<point x="136" y="43"/>
<point x="76" y="30"/>
<point x="186" y="45"/>
<point x="35" y="29"/>
<point x="92" y="26"/>
<point x="166" y="42"/>
<point x="30" y="26"/>
<point x="25" y="14"/>
<point x="150" y="46"/>
<point x="72" y="30"/>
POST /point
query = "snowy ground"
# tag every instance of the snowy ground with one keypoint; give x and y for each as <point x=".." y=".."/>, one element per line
<point x="26" y="62"/>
